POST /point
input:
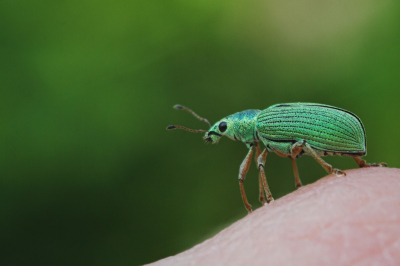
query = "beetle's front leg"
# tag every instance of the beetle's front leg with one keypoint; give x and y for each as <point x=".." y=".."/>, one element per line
<point x="261" y="162"/>
<point x="244" y="168"/>
<point x="362" y="163"/>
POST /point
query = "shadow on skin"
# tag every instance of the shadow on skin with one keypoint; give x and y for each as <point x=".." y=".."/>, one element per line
<point x="351" y="220"/>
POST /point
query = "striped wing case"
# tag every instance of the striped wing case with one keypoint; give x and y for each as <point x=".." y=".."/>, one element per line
<point x="324" y="127"/>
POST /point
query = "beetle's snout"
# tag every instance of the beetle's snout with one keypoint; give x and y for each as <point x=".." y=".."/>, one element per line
<point x="208" y="138"/>
<point x="212" y="136"/>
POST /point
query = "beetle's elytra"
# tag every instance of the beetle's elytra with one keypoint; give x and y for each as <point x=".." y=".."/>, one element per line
<point x="290" y="130"/>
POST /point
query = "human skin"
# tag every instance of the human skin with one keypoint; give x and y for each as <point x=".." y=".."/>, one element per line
<point x="351" y="220"/>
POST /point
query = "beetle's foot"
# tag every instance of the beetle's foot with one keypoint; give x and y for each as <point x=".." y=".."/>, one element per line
<point x="378" y="165"/>
<point x="248" y="207"/>
<point x="271" y="199"/>
<point x="375" y="165"/>
<point x="338" y="172"/>
<point x="299" y="185"/>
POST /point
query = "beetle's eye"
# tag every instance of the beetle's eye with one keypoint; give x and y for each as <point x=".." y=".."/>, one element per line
<point x="222" y="126"/>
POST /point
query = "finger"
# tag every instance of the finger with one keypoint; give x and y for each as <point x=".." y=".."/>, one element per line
<point x="352" y="220"/>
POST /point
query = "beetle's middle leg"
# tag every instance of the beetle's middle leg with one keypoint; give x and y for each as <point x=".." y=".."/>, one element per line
<point x="362" y="163"/>
<point x="244" y="168"/>
<point x="261" y="162"/>
<point x="324" y="164"/>
<point x="294" y="149"/>
<point x="258" y="152"/>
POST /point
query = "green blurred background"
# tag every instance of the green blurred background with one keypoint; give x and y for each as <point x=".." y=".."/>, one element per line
<point x="90" y="176"/>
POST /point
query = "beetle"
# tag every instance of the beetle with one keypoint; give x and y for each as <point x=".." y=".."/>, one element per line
<point x="290" y="130"/>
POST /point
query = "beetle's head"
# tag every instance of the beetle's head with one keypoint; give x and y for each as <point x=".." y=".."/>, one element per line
<point x="224" y="127"/>
<point x="239" y="126"/>
<point x="215" y="132"/>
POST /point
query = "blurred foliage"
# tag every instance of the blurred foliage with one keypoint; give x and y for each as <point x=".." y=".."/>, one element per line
<point x="90" y="176"/>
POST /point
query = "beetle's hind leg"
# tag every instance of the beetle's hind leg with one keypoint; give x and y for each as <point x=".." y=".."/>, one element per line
<point x="362" y="163"/>
<point x="324" y="164"/>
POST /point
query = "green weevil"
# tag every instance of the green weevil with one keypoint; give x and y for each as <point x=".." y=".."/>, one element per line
<point x="290" y="130"/>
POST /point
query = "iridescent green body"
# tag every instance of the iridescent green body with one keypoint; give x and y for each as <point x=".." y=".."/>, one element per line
<point x="329" y="130"/>
<point x="290" y="130"/>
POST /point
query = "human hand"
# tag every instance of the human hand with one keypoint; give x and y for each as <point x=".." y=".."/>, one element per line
<point x="351" y="220"/>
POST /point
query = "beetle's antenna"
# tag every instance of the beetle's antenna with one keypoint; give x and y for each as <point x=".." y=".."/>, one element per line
<point x="180" y="107"/>
<point x="187" y="129"/>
